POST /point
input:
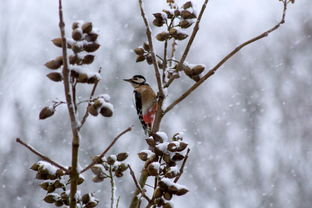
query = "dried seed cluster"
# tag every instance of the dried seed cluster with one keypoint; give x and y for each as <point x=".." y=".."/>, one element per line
<point x="170" y="152"/>
<point x="107" y="167"/>
<point x="192" y="71"/>
<point x="54" y="182"/>
<point x="101" y="105"/>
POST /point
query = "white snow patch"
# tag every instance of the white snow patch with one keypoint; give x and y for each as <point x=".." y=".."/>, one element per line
<point x="163" y="135"/>
<point x="51" y="169"/>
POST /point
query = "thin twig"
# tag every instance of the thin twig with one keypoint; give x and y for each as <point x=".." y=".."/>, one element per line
<point x="86" y="114"/>
<point x="117" y="203"/>
<point x="36" y="152"/>
<point x="112" y="186"/>
<point x="73" y="119"/>
<point x="227" y="57"/>
<point x="106" y="150"/>
<point x="138" y="185"/>
<point x="182" y="166"/>
<point x="190" y="42"/>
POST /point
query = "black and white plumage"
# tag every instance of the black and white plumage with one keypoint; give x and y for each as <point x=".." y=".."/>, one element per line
<point x="145" y="101"/>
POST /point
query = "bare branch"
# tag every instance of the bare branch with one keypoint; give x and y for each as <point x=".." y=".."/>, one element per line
<point x="227" y="57"/>
<point x="182" y="166"/>
<point x="86" y="114"/>
<point x="138" y="185"/>
<point x="107" y="149"/>
<point x="36" y="152"/>
<point x="190" y="42"/>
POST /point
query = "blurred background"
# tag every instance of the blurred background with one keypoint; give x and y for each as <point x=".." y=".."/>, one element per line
<point x="248" y="126"/>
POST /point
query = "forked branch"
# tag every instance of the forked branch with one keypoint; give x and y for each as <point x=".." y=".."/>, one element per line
<point x="227" y="57"/>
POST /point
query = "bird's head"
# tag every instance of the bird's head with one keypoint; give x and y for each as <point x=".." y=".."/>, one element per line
<point x="136" y="80"/>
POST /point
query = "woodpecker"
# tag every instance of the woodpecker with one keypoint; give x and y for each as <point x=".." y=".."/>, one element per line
<point x="145" y="101"/>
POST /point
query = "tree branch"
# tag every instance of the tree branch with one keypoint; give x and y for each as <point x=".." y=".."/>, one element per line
<point x="138" y="185"/>
<point x="227" y="57"/>
<point x="106" y="150"/>
<point x="189" y="43"/>
<point x="182" y="166"/>
<point x="36" y="152"/>
<point x="73" y="119"/>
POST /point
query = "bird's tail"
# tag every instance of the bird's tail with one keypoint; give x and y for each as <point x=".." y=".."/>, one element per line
<point x="147" y="119"/>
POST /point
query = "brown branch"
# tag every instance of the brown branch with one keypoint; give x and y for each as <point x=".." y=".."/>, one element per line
<point x="182" y="166"/>
<point x="36" y="152"/>
<point x="190" y="42"/>
<point x="86" y="114"/>
<point x="73" y="119"/>
<point x="227" y="57"/>
<point x="106" y="150"/>
<point x="138" y="185"/>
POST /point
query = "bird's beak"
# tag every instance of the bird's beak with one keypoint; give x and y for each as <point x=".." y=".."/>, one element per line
<point x="127" y="80"/>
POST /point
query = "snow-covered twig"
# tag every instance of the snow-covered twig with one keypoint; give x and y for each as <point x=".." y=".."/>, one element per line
<point x="18" y="140"/>
<point x="106" y="150"/>
<point x="227" y="57"/>
<point x="111" y="176"/>
<point x="182" y="166"/>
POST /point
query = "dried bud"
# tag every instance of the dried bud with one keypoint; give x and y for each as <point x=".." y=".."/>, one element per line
<point x="106" y="111"/>
<point x="55" y="76"/>
<point x="118" y="174"/>
<point x="35" y="167"/>
<point x="162" y="36"/>
<point x="177" y="12"/>
<point x="143" y="156"/>
<point x="159" y="202"/>
<point x="157" y="193"/>
<point x="149" y="59"/>
<point x="181" y="191"/>
<point x="166" y="158"/>
<point x="162" y="185"/>
<point x="74" y="60"/>
<point x="52" y="176"/>
<point x="45" y="185"/>
<point x="88" y="59"/>
<point x="86" y="27"/>
<point x="75" y="25"/>
<point x="46" y="112"/>
<point x="146" y="46"/>
<point x="187" y="5"/>
<point x="77" y="34"/>
<point x="186" y="14"/>
<point x="98" y="179"/>
<point x="59" y="203"/>
<point x="41" y="176"/>
<point x="187" y="70"/>
<point x="158" y="22"/>
<point x="85" y="198"/>
<point x="50" y="198"/>
<point x="140" y="58"/>
<point x="91" y="204"/>
<point x="80" y="180"/>
<point x="153" y="169"/>
<point x="196" y="78"/>
<point x="97" y="169"/>
<point x="93" y="110"/>
<point x="172" y="147"/>
<point x="139" y="51"/>
<point x="111" y="159"/>
<point x="185" y="23"/>
<point x="93" y="79"/>
<point x="169" y="14"/>
<point x="82" y="78"/>
<point x="177" y="157"/>
<point x="59" y="172"/>
<point x="122" y="167"/>
<point x="167" y="205"/>
<point x="58" y="184"/>
<point x="167" y="196"/>
<point x="198" y="69"/>
<point x="173" y="31"/>
<point x="182" y="146"/>
<point x="55" y="63"/>
<point x="180" y="36"/>
<point x="122" y="156"/>
<point x="57" y="42"/>
<point x="51" y="188"/>
<point x="91" y="37"/>
<point x="150" y="141"/>
<point x="76" y="48"/>
<point x="91" y="47"/>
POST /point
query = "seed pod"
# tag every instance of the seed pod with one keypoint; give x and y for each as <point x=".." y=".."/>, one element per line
<point x="82" y="78"/>
<point x="140" y="58"/>
<point x="40" y="176"/>
<point x="55" y="76"/>
<point x="122" y="156"/>
<point x="77" y="34"/>
<point x="146" y="46"/>
<point x="182" y="146"/>
<point x="97" y="169"/>
<point x="57" y="42"/>
<point x="55" y="63"/>
<point x="158" y="22"/>
<point x="91" y="47"/>
<point x="58" y="184"/>
<point x="163" y="186"/>
<point x="172" y="147"/>
<point x="88" y="59"/>
<point x="85" y="198"/>
<point x="122" y="167"/>
<point x="80" y="180"/>
<point x="51" y="188"/>
<point x="187" y="5"/>
<point x="139" y="51"/>
<point x="91" y="37"/>
<point x="198" y="69"/>
<point x="166" y="158"/>
<point x="49" y="198"/>
<point x="76" y="48"/>
<point x="153" y="169"/>
<point x="173" y="31"/>
<point x="46" y="112"/>
<point x="93" y="79"/>
<point x="59" y="203"/>
<point x="172" y="189"/>
<point x="91" y="204"/>
<point x="188" y="71"/>
<point x="177" y="157"/>
<point x="177" y="12"/>
<point x="59" y="172"/>
<point x="86" y="27"/>
<point x="169" y="14"/>
<point x="143" y="156"/>
<point x="45" y="185"/>
<point x="181" y="191"/>
<point x="111" y="159"/>
<point x="35" y="167"/>
<point x="186" y="14"/>
<point x="106" y="111"/>
<point x="73" y="59"/>
<point x="196" y="78"/>
<point x="185" y="23"/>
<point x="167" y="196"/>
<point x="52" y="176"/>
<point x="149" y="59"/>
<point x="93" y="110"/>
<point x="118" y="174"/>
<point x="162" y="36"/>
<point x="167" y="205"/>
<point x="75" y="25"/>
<point x="159" y="202"/>
<point x="150" y="142"/>
<point x="98" y="179"/>
<point x="180" y="36"/>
